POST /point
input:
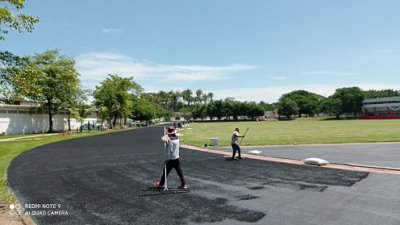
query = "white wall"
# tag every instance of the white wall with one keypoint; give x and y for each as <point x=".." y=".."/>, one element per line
<point x="17" y="120"/>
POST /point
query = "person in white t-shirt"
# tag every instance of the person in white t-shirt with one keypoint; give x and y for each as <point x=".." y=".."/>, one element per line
<point x="173" y="158"/>
<point x="235" y="143"/>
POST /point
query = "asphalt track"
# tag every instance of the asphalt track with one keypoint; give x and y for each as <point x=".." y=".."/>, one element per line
<point x="99" y="180"/>
<point x="386" y="154"/>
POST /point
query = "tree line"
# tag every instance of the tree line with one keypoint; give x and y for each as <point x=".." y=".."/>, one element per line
<point x="344" y="100"/>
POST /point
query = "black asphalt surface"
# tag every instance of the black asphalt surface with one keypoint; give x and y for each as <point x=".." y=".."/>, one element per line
<point x="386" y="154"/>
<point x="99" y="180"/>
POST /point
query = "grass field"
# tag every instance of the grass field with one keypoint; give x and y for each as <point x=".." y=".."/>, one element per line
<point x="300" y="131"/>
<point x="11" y="149"/>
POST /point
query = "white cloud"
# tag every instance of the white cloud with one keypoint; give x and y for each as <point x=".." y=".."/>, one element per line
<point x="111" y="30"/>
<point x="94" y="68"/>
<point x="277" y="78"/>
<point x="331" y="73"/>
<point x="272" y="94"/>
<point x="153" y="77"/>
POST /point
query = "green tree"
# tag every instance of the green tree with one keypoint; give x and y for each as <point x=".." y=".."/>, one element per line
<point x="332" y="105"/>
<point x="173" y="99"/>
<point x="266" y="107"/>
<point x="48" y="77"/>
<point x="254" y="110"/>
<point x="143" y="109"/>
<point x="162" y="112"/>
<point x="351" y="99"/>
<point x="210" y="96"/>
<point x="381" y="93"/>
<point x="18" y="22"/>
<point x="102" y="113"/>
<point x="55" y="80"/>
<point x="187" y="96"/>
<point x="199" y="94"/>
<point x="199" y="111"/>
<point x="216" y="109"/>
<point x="287" y="108"/>
<point x="187" y="113"/>
<point x="179" y="106"/>
<point x="72" y="100"/>
<point x="237" y="109"/>
<point x="81" y="112"/>
<point x="163" y="98"/>
<point x="113" y="94"/>
<point x="152" y="97"/>
<point x="125" y="110"/>
<point x="307" y="102"/>
<point x="14" y="76"/>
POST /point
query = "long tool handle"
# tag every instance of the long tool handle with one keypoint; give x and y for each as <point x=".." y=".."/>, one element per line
<point x="243" y="135"/>
<point x="165" y="164"/>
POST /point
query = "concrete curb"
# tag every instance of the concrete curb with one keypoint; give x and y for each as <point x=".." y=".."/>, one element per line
<point x="374" y="167"/>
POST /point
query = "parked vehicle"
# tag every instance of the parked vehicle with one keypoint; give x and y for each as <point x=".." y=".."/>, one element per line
<point x="100" y="126"/>
<point x="87" y="127"/>
<point x="141" y="123"/>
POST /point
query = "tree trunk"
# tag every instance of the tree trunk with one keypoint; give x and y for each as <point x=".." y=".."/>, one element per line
<point x="337" y="116"/>
<point x="115" y="119"/>
<point x="69" y="120"/>
<point x="109" y="121"/>
<point x="50" y="117"/>
<point x="110" y="116"/>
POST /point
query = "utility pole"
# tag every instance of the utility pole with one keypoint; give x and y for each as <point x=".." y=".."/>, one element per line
<point x="42" y="120"/>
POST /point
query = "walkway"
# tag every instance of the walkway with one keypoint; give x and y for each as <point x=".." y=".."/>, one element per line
<point x="24" y="137"/>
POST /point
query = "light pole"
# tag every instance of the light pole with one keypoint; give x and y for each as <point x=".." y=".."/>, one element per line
<point x="42" y="120"/>
<point x="155" y="114"/>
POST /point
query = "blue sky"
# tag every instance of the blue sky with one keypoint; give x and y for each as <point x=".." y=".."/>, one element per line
<point x="252" y="50"/>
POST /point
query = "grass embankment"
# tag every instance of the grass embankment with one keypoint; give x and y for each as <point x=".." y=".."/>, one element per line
<point x="11" y="149"/>
<point x="300" y="131"/>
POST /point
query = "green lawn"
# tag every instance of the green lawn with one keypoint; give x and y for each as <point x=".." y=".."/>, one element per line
<point x="301" y="131"/>
<point x="10" y="149"/>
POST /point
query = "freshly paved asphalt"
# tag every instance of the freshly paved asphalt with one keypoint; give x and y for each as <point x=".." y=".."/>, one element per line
<point x="385" y="154"/>
<point x="99" y="180"/>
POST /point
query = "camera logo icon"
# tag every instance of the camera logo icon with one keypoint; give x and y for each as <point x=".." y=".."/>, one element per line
<point x="15" y="210"/>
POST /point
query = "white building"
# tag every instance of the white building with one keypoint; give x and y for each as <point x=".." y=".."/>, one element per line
<point x="381" y="108"/>
<point x="27" y="118"/>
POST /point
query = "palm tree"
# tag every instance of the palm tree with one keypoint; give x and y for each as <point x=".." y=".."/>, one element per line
<point x="102" y="113"/>
<point x="210" y="96"/>
<point x="199" y="92"/>
<point x="204" y="98"/>
<point x="81" y="112"/>
<point x="187" y="96"/>
<point x="163" y="97"/>
<point x="173" y="98"/>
